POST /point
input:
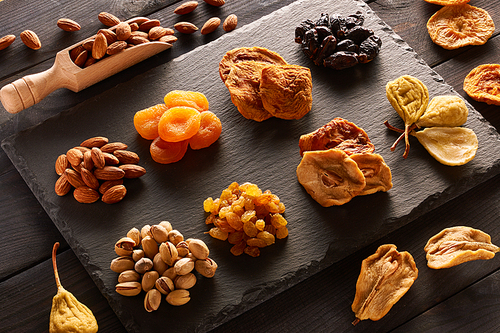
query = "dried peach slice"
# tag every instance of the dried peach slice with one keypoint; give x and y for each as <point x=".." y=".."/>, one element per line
<point x="146" y="121"/>
<point x="377" y="174"/>
<point x="192" y="99"/>
<point x="452" y="27"/>
<point x="167" y="152"/>
<point x="179" y="123"/>
<point x="331" y="177"/>
<point x="209" y="131"/>
<point x="483" y="84"/>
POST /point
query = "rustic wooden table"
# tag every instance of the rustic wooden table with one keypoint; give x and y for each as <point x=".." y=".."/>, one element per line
<point x="469" y="303"/>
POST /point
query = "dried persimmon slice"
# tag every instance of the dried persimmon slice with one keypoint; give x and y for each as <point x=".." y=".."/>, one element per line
<point x="452" y="27"/>
<point x="483" y="84"/>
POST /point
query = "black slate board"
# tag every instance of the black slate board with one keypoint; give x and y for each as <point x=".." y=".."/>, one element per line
<point x="262" y="153"/>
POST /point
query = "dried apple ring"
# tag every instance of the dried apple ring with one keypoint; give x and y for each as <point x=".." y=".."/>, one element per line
<point x="483" y="84"/>
<point x="192" y="99"/>
<point x="377" y="174"/>
<point x="331" y="177"/>
<point x="179" y="123"/>
<point x="452" y="27"/>
<point x="167" y="152"/>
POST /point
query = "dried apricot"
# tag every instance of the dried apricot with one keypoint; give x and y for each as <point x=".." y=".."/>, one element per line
<point x="192" y="99"/>
<point x="455" y="26"/>
<point x="209" y="131"/>
<point x="447" y="2"/>
<point x="179" y="123"/>
<point x="146" y="121"/>
<point x="483" y="84"/>
<point x="167" y="152"/>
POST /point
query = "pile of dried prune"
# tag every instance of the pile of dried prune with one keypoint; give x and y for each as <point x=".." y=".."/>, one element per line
<point x="338" y="42"/>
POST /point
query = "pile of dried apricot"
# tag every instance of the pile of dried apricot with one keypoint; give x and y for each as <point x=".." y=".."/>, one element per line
<point x="183" y="120"/>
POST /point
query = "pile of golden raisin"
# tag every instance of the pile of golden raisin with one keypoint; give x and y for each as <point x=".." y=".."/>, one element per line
<point x="247" y="218"/>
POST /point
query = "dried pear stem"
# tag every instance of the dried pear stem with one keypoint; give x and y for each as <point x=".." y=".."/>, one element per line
<point x="54" y="264"/>
<point x="404" y="135"/>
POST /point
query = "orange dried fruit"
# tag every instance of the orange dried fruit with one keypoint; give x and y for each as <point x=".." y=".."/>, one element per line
<point x="192" y="99"/>
<point x="455" y="26"/>
<point x="447" y="2"/>
<point x="146" y="121"/>
<point x="483" y="84"/>
<point x="179" y="123"/>
<point x="167" y="152"/>
<point x="209" y="131"/>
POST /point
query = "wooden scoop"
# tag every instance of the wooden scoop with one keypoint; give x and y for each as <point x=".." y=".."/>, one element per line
<point x="31" y="89"/>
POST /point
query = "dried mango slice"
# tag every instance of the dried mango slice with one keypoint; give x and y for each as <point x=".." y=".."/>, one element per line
<point x="447" y="2"/>
<point x="483" y="84"/>
<point x="377" y="174"/>
<point x="456" y="245"/>
<point x="449" y="145"/>
<point x="409" y="97"/>
<point x="331" y="177"/>
<point x="445" y="110"/>
<point x="384" y="278"/>
<point x="452" y="27"/>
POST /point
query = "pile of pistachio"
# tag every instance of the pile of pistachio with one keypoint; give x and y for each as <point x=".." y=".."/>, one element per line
<point x="158" y="261"/>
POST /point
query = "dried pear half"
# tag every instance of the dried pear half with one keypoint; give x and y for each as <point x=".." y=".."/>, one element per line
<point x="331" y="177"/>
<point x="286" y="91"/>
<point x="444" y="111"/>
<point x="456" y="245"/>
<point x="460" y="25"/>
<point x="449" y="145"/>
<point x="409" y="97"/>
<point x="483" y="84"/>
<point x="377" y="174"/>
<point x="67" y="313"/>
<point x="384" y="278"/>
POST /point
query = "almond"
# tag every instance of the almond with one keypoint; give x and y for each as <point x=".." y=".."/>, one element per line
<point x="74" y="178"/>
<point x="75" y="52"/>
<point x="108" y="19"/>
<point x="132" y="170"/>
<point x="168" y="39"/>
<point x="81" y="58"/>
<point x="185" y="27"/>
<point x="146" y="26"/>
<point x="90" y="61"/>
<point x="210" y="26"/>
<point x="109" y="173"/>
<point x="87" y="45"/>
<point x="123" y="31"/>
<point x="116" y="47"/>
<point x="100" y="47"/>
<point x="89" y="179"/>
<point x="109" y="34"/>
<point x="217" y="3"/>
<point x="134" y="26"/>
<point x="87" y="160"/>
<point x="109" y="184"/>
<point x="114" y="194"/>
<point x="61" y="164"/>
<point x="84" y="194"/>
<point x="68" y="25"/>
<point x="30" y="39"/>
<point x="97" y="141"/>
<point x="78" y="167"/>
<point x="126" y="156"/>
<point x="98" y="158"/>
<point x="62" y="186"/>
<point x="74" y="156"/>
<point x="230" y="23"/>
<point x="5" y="41"/>
<point x="82" y="149"/>
<point x="112" y="146"/>
<point x="111" y="159"/>
<point x="186" y="7"/>
<point x="138" y="20"/>
<point x="140" y="34"/>
<point x="136" y="40"/>
<point x="156" y="33"/>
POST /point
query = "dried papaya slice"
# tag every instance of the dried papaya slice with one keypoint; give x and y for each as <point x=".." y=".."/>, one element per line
<point x="444" y="110"/>
<point x="179" y="123"/>
<point x="167" y="152"/>
<point x="256" y="53"/>
<point x="192" y="99"/>
<point x="447" y="2"/>
<point x="330" y="177"/>
<point x="377" y="174"/>
<point x="146" y="121"/>
<point x="209" y="131"/>
<point x="483" y="84"/>
<point x="455" y="26"/>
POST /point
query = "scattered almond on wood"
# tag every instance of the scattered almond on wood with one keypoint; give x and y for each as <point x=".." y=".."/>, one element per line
<point x="30" y="39"/>
<point x="185" y="27"/>
<point x="216" y="3"/>
<point x="108" y="19"/>
<point x="210" y="26"/>
<point x="68" y="24"/>
<point x="230" y="23"/>
<point x="5" y="41"/>
<point x="186" y="8"/>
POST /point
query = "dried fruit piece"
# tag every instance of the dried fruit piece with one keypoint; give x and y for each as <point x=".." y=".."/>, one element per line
<point x="409" y="97"/>
<point x="449" y="145"/>
<point x="338" y="133"/>
<point x="67" y="313"/>
<point x="377" y="174"/>
<point x="192" y="99"/>
<point x="167" y="152"/>
<point x="456" y="245"/>
<point x="384" y="278"/>
<point x="445" y="110"/>
<point x="286" y="91"/>
<point x="146" y="121"/>
<point x="209" y="131"/>
<point x="455" y="26"/>
<point x="483" y="84"/>
<point x="330" y="176"/>
<point x="179" y="123"/>
<point x="447" y="2"/>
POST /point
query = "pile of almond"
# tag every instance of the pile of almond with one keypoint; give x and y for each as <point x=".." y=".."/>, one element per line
<point x="210" y="25"/>
<point x="96" y="167"/>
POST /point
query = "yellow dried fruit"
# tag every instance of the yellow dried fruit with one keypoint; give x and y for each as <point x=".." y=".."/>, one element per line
<point x="378" y="176"/>
<point x="455" y="26"/>
<point x="445" y="110"/>
<point x="483" y="84"/>
<point x="67" y="313"/>
<point x="456" y="245"/>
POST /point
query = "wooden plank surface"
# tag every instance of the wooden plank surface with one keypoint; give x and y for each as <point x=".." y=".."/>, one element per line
<point x="313" y="305"/>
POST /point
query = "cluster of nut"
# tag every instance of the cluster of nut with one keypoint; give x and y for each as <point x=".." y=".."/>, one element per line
<point x="247" y="218"/>
<point x="210" y="25"/>
<point x="28" y="37"/>
<point x="96" y="167"/>
<point x="160" y="262"/>
<point x="119" y="36"/>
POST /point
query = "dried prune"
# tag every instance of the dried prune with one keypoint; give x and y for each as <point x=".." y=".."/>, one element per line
<point x="337" y="41"/>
